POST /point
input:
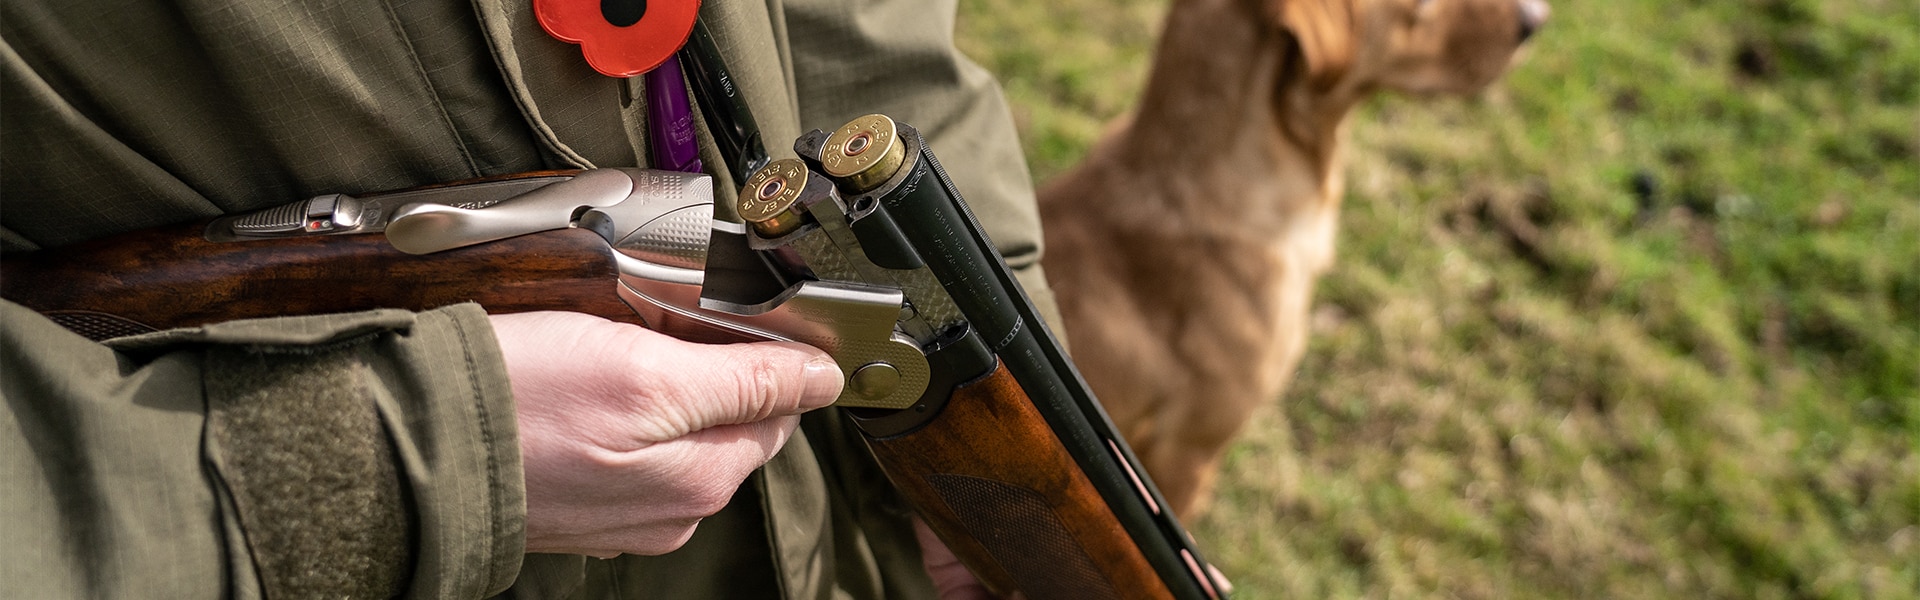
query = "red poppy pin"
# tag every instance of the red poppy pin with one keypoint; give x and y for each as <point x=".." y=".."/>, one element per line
<point x="620" y="38"/>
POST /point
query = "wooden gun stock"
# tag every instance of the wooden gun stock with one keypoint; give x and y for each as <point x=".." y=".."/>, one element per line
<point x="172" y="277"/>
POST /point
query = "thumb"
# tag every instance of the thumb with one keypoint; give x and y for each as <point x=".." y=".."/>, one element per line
<point x="713" y="385"/>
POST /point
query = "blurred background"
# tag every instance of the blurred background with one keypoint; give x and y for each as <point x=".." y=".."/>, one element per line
<point x="1641" y="321"/>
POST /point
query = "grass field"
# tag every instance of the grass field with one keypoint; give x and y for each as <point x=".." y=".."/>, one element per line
<point x="1642" y="321"/>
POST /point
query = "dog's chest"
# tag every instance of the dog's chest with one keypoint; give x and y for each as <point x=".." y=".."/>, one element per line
<point x="1236" y="303"/>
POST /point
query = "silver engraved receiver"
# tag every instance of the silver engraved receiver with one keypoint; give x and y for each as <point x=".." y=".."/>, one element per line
<point x="678" y="267"/>
<point x="340" y="214"/>
<point x="660" y="231"/>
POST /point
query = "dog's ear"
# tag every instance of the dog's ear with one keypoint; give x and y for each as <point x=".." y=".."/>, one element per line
<point x="1325" y="30"/>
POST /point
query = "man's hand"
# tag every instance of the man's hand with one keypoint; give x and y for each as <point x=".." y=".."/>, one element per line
<point x="951" y="579"/>
<point x="630" y="437"/>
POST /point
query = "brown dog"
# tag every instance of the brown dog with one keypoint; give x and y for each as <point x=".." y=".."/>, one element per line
<point x="1184" y="248"/>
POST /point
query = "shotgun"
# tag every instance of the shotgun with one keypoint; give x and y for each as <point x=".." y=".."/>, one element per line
<point x="862" y="248"/>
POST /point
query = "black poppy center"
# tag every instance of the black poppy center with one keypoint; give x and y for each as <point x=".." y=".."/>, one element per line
<point x="622" y="13"/>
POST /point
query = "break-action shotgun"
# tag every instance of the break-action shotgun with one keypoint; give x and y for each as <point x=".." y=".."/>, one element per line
<point x="862" y="248"/>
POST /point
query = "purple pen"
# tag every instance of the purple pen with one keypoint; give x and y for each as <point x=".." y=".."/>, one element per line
<point x="670" y="120"/>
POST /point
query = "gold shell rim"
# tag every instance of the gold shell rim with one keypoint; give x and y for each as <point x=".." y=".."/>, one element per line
<point x="864" y="152"/>
<point x="766" y="200"/>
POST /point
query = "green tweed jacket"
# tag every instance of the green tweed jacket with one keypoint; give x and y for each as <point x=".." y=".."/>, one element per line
<point x="374" y="454"/>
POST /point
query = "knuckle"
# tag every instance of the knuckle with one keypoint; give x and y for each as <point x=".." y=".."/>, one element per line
<point x="765" y="384"/>
<point x="639" y="381"/>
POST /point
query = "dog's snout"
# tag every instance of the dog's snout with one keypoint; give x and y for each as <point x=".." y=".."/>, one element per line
<point x="1533" y="14"/>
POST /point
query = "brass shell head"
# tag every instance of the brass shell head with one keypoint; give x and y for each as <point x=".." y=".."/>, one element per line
<point x="863" y="153"/>
<point x="768" y="201"/>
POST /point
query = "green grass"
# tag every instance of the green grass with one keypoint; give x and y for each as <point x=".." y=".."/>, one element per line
<point x="1642" y="321"/>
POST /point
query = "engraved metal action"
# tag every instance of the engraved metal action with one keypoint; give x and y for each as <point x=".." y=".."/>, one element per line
<point x="660" y="229"/>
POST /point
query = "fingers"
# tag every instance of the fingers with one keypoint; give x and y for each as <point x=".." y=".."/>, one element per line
<point x="694" y="386"/>
<point x="951" y="579"/>
<point x="663" y="387"/>
<point x="630" y="437"/>
<point x="724" y="455"/>
<point x="710" y="464"/>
